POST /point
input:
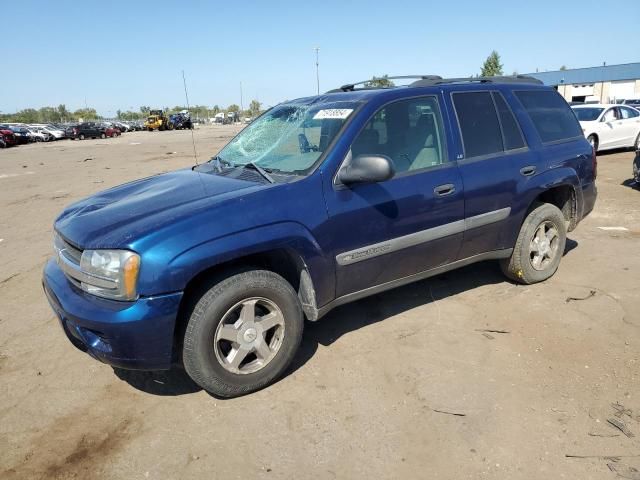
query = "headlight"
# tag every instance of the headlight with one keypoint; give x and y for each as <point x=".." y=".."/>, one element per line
<point x="110" y="273"/>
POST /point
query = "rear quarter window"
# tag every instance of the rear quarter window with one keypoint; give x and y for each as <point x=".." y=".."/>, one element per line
<point x="550" y="114"/>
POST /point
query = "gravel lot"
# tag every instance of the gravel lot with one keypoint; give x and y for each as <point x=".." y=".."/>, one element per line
<point x="400" y="385"/>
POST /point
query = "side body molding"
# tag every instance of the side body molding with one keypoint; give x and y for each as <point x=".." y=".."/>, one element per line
<point x="423" y="236"/>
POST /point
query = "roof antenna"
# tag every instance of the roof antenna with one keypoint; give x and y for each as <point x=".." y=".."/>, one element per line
<point x="193" y="141"/>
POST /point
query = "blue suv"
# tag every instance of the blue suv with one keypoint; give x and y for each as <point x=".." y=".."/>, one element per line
<point x="319" y="202"/>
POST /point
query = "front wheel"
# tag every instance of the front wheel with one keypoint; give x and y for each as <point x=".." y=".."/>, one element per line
<point x="539" y="247"/>
<point x="243" y="333"/>
<point x="103" y="136"/>
<point x="81" y="137"/>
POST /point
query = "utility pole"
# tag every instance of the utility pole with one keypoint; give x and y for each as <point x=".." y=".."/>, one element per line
<point x="241" y="105"/>
<point x="317" y="49"/>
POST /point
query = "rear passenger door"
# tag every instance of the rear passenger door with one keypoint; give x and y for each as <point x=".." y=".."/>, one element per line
<point x="630" y="120"/>
<point x="494" y="163"/>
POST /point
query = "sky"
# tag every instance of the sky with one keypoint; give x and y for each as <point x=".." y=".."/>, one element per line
<point x="123" y="54"/>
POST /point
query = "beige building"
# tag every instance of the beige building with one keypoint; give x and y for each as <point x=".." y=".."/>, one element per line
<point x="606" y="84"/>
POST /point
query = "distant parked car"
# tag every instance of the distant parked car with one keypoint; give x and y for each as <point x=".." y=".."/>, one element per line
<point x="609" y="126"/>
<point x="123" y="127"/>
<point x="38" y="135"/>
<point x="69" y="130"/>
<point x="8" y="136"/>
<point x="88" y="130"/>
<point x="632" y="102"/>
<point x="54" y="132"/>
<point x="111" y="130"/>
<point x="22" y="135"/>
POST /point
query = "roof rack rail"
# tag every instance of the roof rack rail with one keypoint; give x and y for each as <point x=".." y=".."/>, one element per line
<point x="350" y="87"/>
<point x="427" y="82"/>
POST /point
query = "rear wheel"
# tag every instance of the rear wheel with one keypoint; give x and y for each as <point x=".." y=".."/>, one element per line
<point x="103" y="135"/>
<point x="593" y="140"/>
<point x="81" y="137"/>
<point x="243" y="333"/>
<point x="539" y="247"/>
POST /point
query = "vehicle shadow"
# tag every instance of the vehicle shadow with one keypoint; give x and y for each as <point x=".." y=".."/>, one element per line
<point x="569" y="246"/>
<point x="171" y="382"/>
<point x="344" y="319"/>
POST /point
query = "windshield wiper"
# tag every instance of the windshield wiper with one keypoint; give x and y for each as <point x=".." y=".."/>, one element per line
<point x="219" y="162"/>
<point x="258" y="169"/>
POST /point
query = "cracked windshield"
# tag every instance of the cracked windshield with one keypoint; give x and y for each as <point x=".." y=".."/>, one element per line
<point x="289" y="138"/>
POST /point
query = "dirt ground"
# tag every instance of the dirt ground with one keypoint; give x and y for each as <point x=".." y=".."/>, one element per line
<point x="401" y="385"/>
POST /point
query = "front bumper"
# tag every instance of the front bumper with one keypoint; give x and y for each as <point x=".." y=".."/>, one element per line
<point x="133" y="335"/>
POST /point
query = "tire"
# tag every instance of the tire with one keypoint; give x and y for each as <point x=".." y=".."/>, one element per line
<point x="593" y="140"/>
<point x="525" y="264"/>
<point x="206" y="350"/>
<point x="81" y="137"/>
<point x="103" y="135"/>
<point x="39" y="139"/>
<point x="636" y="145"/>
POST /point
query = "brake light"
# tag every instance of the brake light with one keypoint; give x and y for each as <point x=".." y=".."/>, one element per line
<point x="595" y="162"/>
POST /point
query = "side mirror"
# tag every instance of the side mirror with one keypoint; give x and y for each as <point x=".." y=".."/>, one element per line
<point x="366" y="169"/>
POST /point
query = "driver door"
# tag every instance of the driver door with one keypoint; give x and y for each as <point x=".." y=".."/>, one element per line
<point x="411" y="223"/>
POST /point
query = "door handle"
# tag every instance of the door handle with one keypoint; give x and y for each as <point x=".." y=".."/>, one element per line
<point x="528" y="170"/>
<point x="444" y="190"/>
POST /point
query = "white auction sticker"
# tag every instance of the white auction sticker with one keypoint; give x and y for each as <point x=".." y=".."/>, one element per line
<point x="337" y="113"/>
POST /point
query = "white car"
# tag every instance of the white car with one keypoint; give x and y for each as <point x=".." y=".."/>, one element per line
<point x="609" y="126"/>
<point x="55" y="132"/>
<point x="38" y="135"/>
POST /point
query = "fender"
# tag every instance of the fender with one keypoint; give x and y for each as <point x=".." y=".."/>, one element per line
<point x="531" y="189"/>
<point x="283" y="235"/>
<point x="557" y="177"/>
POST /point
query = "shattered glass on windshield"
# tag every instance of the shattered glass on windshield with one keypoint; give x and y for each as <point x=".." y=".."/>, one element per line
<point x="289" y="138"/>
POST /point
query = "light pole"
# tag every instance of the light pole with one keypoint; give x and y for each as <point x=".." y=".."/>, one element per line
<point x="317" y="49"/>
<point x="241" y="105"/>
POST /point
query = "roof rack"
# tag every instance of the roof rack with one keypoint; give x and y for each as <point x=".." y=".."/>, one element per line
<point x="350" y="87"/>
<point x="431" y="80"/>
<point x="497" y="79"/>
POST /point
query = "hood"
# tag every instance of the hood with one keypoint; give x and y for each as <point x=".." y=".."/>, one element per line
<point x="117" y="216"/>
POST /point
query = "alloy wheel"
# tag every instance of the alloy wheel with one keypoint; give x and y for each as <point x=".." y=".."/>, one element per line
<point x="543" y="247"/>
<point x="249" y="335"/>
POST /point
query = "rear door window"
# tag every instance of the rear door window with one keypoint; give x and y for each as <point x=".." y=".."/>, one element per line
<point x="628" y="113"/>
<point x="512" y="136"/>
<point x="479" y="125"/>
<point x="550" y="114"/>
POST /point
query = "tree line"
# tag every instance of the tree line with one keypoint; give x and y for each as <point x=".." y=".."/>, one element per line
<point x="57" y="114"/>
<point x="61" y="114"/>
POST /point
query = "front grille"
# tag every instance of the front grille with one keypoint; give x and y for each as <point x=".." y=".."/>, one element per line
<point x="67" y="255"/>
<point x="70" y="251"/>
